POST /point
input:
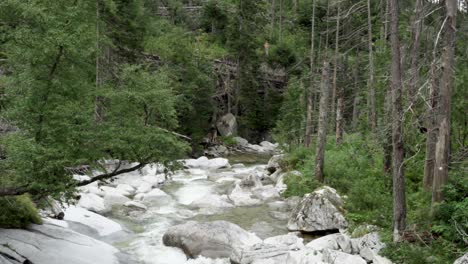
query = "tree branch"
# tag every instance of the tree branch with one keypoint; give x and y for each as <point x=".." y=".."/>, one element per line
<point x="111" y="174"/>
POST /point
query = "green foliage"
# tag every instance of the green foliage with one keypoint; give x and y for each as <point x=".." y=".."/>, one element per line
<point x="18" y="212"/>
<point x="228" y="141"/>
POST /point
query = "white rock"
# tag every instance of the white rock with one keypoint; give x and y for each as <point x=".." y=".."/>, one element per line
<point x="242" y="142"/>
<point x="135" y="205"/>
<point x="290" y="240"/>
<point x="144" y="187"/>
<point x="156" y="195"/>
<point x="114" y="191"/>
<point x="94" y="203"/>
<point x="241" y="197"/>
<point x="52" y="221"/>
<point x="382" y="260"/>
<point x="126" y="188"/>
<point x="305" y="256"/>
<point x="50" y="244"/>
<point x="205" y="163"/>
<point x="318" y="211"/>
<point x="266" y="193"/>
<point x="462" y="260"/>
<point x="101" y="224"/>
<point x="210" y="239"/>
<point x="81" y="178"/>
<point x="333" y="256"/>
<point x="115" y="199"/>
<point x="274" y="163"/>
<point x="337" y="241"/>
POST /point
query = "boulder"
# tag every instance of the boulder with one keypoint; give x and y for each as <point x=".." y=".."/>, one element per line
<point x="205" y="163"/>
<point x="241" y="142"/>
<point x="260" y="253"/>
<point x="305" y="256"/>
<point x="102" y="225"/>
<point x="291" y="240"/>
<point x="114" y="191"/>
<point x="49" y="244"/>
<point x="227" y="125"/>
<point x="215" y="239"/>
<point x="382" y="260"/>
<point x="462" y="260"/>
<point x="338" y="241"/>
<point x="274" y="163"/>
<point x="93" y="203"/>
<point x="368" y="245"/>
<point x="115" y="199"/>
<point x="251" y="181"/>
<point x="126" y="188"/>
<point x="144" y="187"/>
<point x="268" y="146"/>
<point x="211" y="201"/>
<point x="333" y="256"/>
<point x="242" y="197"/>
<point x="318" y="211"/>
<point x="156" y="195"/>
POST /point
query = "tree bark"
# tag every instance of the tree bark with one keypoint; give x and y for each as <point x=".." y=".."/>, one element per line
<point x="443" y="119"/>
<point x="399" y="196"/>
<point x="322" y="126"/>
<point x="335" y="65"/>
<point x="311" y="92"/>
<point x="414" y="68"/>
<point x="372" y="116"/>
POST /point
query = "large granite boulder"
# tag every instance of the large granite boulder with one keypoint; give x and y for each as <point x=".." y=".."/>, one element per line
<point x="318" y="211"/>
<point x="260" y="253"/>
<point x="227" y="125"/>
<point x="205" y="163"/>
<point x="215" y="239"/>
<point x="94" y="203"/>
<point x="51" y="244"/>
<point x="274" y="163"/>
<point x="100" y="224"/>
<point x="462" y="260"/>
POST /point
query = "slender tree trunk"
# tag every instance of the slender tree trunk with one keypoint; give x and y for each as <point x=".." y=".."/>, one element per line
<point x="273" y="14"/>
<point x="340" y="108"/>
<point x="322" y="126"/>
<point x="335" y="66"/>
<point x="310" y="94"/>
<point x="281" y="22"/>
<point x="98" y="101"/>
<point x="399" y="196"/>
<point x="372" y="115"/>
<point x="414" y="68"/>
<point x="444" y="113"/>
<point x="356" y="99"/>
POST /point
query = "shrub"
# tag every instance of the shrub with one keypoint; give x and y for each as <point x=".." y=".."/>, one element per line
<point x="18" y="212"/>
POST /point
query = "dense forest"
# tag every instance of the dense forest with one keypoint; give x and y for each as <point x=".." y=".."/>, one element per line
<point x="366" y="96"/>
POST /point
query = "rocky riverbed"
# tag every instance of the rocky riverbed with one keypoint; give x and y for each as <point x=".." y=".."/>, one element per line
<point x="213" y="211"/>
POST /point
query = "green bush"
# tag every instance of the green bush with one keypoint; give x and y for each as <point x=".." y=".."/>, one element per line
<point x="228" y="141"/>
<point x="18" y="212"/>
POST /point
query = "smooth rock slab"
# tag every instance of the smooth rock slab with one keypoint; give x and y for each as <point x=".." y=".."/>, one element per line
<point x="212" y="239"/>
<point x="462" y="260"/>
<point x="93" y="203"/>
<point x="338" y="257"/>
<point x="48" y="244"/>
<point x="102" y="225"/>
<point x="260" y="253"/>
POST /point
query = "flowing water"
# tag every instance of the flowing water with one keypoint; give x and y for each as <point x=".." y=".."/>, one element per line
<point x="144" y="242"/>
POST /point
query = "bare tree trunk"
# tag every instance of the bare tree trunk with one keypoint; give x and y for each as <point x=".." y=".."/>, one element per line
<point x="443" y="119"/>
<point x="98" y="101"/>
<point x="322" y="126"/>
<point x="399" y="196"/>
<point x="310" y="94"/>
<point x="335" y="65"/>
<point x="414" y="68"/>
<point x="272" y="19"/>
<point x="372" y="116"/>
<point x="281" y="22"/>
<point x="356" y="99"/>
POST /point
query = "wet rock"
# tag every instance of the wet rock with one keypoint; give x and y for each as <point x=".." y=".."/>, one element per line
<point x="144" y="187"/>
<point x="382" y="260"/>
<point x="274" y="163"/>
<point x="137" y="205"/>
<point x="241" y="142"/>
<point x="318" y="211"/>
<point x="93" y="203"/>
<point x="156" y="195"/>
<point x="111" y="199"/>
<point x="49" y="244"/>
<point x="212" y="239"/>
<point x="251" y="181"/>
<point x="338" y="241"/>
<point x="227" y="125"/>
<point x="126" y="188"/>
<point x="462" y="260"/>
